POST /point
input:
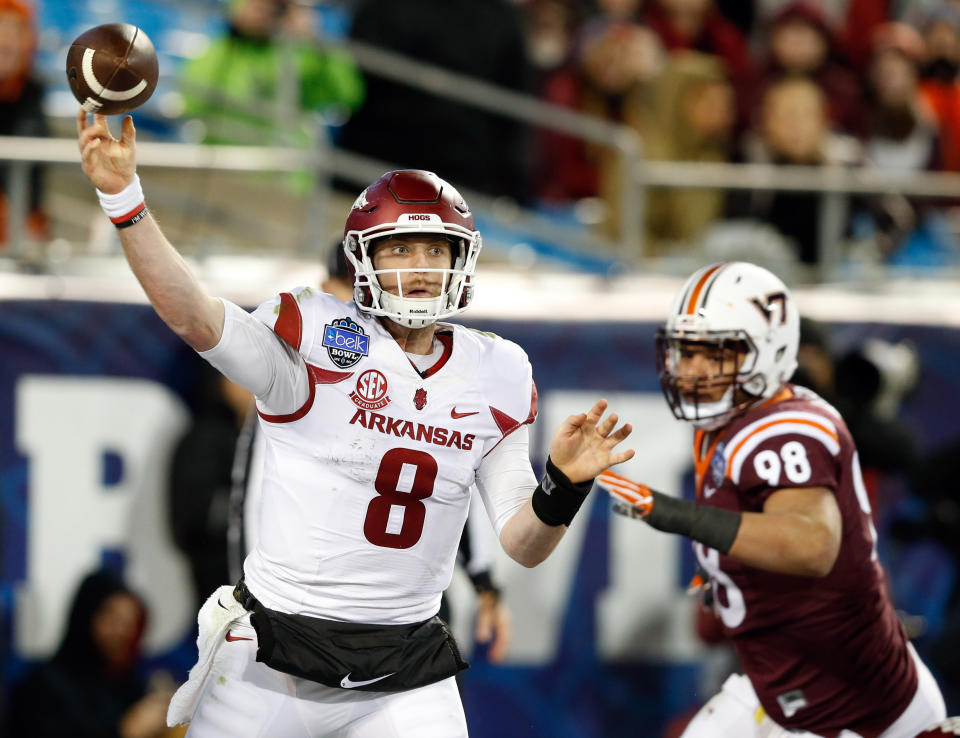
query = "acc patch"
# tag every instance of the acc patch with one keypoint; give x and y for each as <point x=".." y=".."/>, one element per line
<point x="346" y="342"/>
<point x="718" y="464"/>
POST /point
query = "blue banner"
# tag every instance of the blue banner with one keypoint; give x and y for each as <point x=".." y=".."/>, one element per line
<point x="94" y="397"/>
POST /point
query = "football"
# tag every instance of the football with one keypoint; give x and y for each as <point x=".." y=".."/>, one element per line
<point x="112" y="68"/>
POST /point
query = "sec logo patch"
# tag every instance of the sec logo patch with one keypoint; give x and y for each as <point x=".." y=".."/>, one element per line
<point x="371" y="391"/>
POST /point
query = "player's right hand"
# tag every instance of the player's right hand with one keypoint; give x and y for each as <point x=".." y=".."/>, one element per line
<point x="630" y="498"/>
<point x="109" y="163"/>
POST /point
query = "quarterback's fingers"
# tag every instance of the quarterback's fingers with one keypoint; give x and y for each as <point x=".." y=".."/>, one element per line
<point x="596" y="412"/>
<point x="571" y="424"/>
<point x="85" y="133"/>
<point x="619" y="457"/>
<point x="101" y="125"/>
<point x="607" y="424"/>
<point x="127" y="132"/>
<point x="81" y="120"/>
<point x="88" y="148"/>
<point x="619" y="435"/>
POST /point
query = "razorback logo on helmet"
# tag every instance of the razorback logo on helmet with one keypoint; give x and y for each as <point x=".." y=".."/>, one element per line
<point x="361" y="203"/>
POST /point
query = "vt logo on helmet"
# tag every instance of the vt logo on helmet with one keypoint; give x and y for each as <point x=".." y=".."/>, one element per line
<point x="403" y="203"/>
<point x="730" y="340"/>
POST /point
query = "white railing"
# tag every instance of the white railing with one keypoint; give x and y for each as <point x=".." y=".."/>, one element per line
<point x="835" y="184"/>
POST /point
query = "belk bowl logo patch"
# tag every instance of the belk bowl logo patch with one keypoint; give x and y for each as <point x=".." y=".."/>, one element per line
<point x="346" y="342"/>
<point x="718" y="464"/>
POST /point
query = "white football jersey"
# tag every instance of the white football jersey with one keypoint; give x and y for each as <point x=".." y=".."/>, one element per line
<point x="366" y="487"/>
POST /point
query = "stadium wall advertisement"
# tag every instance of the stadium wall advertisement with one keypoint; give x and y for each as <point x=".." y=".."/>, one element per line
<point x="93" y="398"/>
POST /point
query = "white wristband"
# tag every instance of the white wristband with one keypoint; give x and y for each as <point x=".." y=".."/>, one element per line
<point x="124" y="202"/>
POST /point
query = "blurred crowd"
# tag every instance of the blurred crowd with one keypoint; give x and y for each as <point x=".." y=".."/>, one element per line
<point x="789" y="82"/>
<point x="795" y="82"/>
<point x="832" y="83"/>
<point x="826" y="83"/>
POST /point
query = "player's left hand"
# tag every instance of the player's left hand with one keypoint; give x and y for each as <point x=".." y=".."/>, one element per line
<point x="493" y="626"/>
<point x="630" y="498"/>
<point x="583" y="445"/>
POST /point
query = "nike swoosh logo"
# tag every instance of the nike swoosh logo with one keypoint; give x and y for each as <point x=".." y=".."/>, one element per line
<point x="456" y="416"/>
<point x="231" y="638"/>
<point x="348" y="683"/>
<point x="221" y="604"/>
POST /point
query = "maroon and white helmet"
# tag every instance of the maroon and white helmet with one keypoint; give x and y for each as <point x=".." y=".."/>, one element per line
<point x="403" y="202"/>
<point x="950" y="726"/>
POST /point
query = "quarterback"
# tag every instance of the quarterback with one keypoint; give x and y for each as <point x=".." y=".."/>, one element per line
<point x="377" y="418"/>
<point x="781" y="525"/>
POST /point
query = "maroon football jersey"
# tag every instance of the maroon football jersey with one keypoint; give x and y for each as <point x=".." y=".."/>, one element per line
<point x="823" y="654"/>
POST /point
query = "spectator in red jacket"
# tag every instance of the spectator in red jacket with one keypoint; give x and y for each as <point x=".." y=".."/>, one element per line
<point x="938" y="85"/>
<point x="802" y="43"/>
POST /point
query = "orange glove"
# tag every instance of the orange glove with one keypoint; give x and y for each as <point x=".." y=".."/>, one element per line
<point x="630" y="498"/>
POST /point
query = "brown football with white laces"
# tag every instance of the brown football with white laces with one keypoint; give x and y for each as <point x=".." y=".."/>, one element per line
<point x="112" y="69"/>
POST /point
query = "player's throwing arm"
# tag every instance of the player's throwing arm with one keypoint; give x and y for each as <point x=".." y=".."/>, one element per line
<point x="111" y="166"/>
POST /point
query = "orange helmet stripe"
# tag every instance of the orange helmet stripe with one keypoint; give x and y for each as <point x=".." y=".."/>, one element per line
<point x="695" y="296"/>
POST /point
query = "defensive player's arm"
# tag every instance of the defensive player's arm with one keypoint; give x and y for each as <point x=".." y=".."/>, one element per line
<point x="798" y="532"/>
<point x="172" y="288"/>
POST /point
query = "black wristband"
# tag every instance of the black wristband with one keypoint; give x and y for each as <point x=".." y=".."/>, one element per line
<point x="556" y="499"/>
<point x="131" y="218"/>
<point x="711" y="526"/>
<point x="483" y="582"/>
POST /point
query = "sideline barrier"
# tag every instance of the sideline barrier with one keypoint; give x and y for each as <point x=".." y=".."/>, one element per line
<point x="94" y="398"/>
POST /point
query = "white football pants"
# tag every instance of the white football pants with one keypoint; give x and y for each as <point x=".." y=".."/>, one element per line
<point x="736" y="712"/>
<point x="242" y="698"/>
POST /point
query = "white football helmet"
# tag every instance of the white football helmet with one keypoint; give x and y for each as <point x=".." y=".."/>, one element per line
<point x="737" y="315"/>
<point x="404" y="202"/>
